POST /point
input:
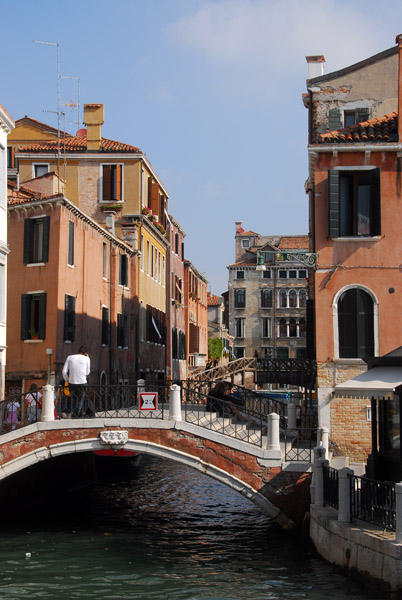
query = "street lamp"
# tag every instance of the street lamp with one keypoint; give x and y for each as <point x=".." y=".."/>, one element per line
<point x="260" y="262"/>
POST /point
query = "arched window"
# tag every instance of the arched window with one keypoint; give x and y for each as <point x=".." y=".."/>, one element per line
<point x="302" y="328"/>
<point x="292" y="299"/>
<point x="266" y="298"/>
<point x="283" y="299"/>
<point x="292" y="328"/>
<point x="355" y="324"/>
<point x="282" y="328"/>
<point x="302" y="298"/>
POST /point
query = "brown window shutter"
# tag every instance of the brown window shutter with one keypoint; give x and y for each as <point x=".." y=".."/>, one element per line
<point x="154" y="206"/>
<point x="118" y="182"/>
<point x="106" y="187"/>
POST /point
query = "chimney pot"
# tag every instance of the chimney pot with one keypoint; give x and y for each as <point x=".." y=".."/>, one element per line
<point x="315" y="66"/>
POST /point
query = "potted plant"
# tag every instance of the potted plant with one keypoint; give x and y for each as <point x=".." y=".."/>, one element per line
<point x="34" y="334"/>
<point x="146" y="210"/>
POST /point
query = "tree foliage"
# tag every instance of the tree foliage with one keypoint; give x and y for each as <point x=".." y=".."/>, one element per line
<point x="215" y="347"/>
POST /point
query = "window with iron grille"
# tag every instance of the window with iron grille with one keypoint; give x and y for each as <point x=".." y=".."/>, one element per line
<point x="105" y="326"/>
<point x="69" y="318"/>
<point x="122" y="331"/>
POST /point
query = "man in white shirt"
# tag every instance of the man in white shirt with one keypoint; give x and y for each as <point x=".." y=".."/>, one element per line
<point x="76" y="370"/>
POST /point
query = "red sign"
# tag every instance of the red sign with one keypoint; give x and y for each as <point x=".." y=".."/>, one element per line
<point x="149" y="401"/>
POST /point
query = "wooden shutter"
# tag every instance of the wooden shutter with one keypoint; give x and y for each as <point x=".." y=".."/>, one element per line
<point x="70" y="242"/>
<point x="362" y="114"/>
<point x="107" y="182"/>
<point x="375" y="191"/>
<point x="46" y="233"/>
<point x="154" y="204"/>
<point x="28" y="241"/>
<point x="25" y="310"/>
<point x="333" y="204"/>
<point x="105" y="325"/>
<point x="118" y="186"/>
<point x="42" y="317"/>
<point x="334" y="119"/>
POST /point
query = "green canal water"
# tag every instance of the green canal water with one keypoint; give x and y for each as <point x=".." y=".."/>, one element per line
<point x="160" y="532"/>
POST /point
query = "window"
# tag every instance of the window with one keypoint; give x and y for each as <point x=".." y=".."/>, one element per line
<point x="266" y="328"/>
<point x="2" y="292"/>
<point x="36" y="240"/>
<point x="240" y="298"/>
<point x="354" y="203"/>
<point x="245" y="243"/>
<point x="70" y="259"/>
<point x="292" y="328"/>
<point x="182" y="345"/>
<point x="175" y="343"/>
<point x="69" y="318"/>
<point x="105" y="326"/>
<point x="283" y="274"/>
<point x="239" y="274"/>
<point x="282" y="299"/>
<point x="112" y="183"/>
<point x="10" y="157"/>
<point x="176" y="243"/>
<point x="39" y="169"/>
<point x="142" y="251"/>
<point x="302" y="274"/>
<point x="239" y="352"/>
<point x="282" y="328"/>
<point x="33" y="316"/>
<point x="266" y="298"/>
<point x="282" y="353"/>
<point x="104" y="260"/>
<point x="239" y="328"/>
<point x="300" y="352"/>
<point x="356" y="324"/>
<point x="182" y="250"/>
<point x="292" y="299"/>
<point x="148" y="258"/>
<point x="123" y="270"/>
<point x="122" y="331"/>
<point x="292" y="274"/>
<point x="348" y="117"/>
<point x="266" y="274"/>
<point x="302" y="298"/>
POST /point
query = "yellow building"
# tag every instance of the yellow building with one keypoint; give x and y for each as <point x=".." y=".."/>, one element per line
<point x="114" y="184"/>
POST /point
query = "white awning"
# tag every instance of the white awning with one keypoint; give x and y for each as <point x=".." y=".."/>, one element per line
<point x="379" y="382"/>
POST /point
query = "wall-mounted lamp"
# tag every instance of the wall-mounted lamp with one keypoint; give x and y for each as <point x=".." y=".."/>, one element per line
<point x="260" y="262"/>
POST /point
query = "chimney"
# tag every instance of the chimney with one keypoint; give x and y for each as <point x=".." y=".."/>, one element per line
<point x="315" y="66"/>
<point x="398" y="40"/>
<point x="93" y="119"/>
<point x="110" y="222"/>
<point x="239" y="228"/>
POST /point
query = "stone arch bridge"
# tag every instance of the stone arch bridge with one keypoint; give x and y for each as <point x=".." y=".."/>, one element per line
<point x="220" y="450"/>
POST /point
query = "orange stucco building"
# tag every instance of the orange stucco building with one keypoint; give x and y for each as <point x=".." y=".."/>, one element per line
<point x="355" y="198"/>
<point x="72" y="282"/>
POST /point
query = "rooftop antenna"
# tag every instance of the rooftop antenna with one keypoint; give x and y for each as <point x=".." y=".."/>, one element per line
<point x="58" y="153"/>
<point x="79" y="95"/>
<point x="58" y="89"/>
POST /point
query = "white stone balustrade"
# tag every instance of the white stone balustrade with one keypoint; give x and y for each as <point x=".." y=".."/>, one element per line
<point x="47" y="403"/>
<point x="175" y="403"/>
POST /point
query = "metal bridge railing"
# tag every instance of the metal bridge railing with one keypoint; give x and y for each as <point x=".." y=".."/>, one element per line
<point x="373" y="501"/>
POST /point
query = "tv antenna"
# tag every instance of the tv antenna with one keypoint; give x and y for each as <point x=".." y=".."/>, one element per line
<point x="78" y="106"/>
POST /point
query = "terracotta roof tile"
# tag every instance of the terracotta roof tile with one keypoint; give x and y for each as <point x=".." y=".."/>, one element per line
<point x="78" y="144"/>
<point x="20" y="195"/>
<point x="213" y="300"/>
<point x="382" y="129"/>
<point x="248" y="233"/>
<point x="294" y="243"/>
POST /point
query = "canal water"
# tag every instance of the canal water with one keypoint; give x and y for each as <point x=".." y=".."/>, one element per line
<point x="160" y="532"/>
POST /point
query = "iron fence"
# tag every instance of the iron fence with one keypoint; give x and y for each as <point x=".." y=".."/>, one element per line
<point x="124" y="401"/>
<point x="331" y="487"/>
<point x="299" y="443"/>
<point x="373" y="501"/>
<point x="232" y="417"/>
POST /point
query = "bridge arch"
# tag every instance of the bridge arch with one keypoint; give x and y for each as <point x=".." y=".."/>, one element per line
<point x="265" y="485"/>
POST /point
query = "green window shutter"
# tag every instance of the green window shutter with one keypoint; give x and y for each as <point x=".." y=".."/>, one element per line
<point x="42" y="317"/>
<point x="333" y="204"/>
<point x="25" y="309"/>
<point x="362" y="114"/>
<point x="70" y="242"/>
<point x="28" y="241"/>
<point x="375" y="188"/>
<point x="334" y="119"/>
<point x="46" y="231"/>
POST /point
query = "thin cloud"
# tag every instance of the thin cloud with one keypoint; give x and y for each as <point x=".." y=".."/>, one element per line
<point x="248" y="42"/>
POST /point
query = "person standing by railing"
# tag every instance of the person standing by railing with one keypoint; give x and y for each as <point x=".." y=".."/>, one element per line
<point x="76" y="370"/>
<point x="33" y="404"/>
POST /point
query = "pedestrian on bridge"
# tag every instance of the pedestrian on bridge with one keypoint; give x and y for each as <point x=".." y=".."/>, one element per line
<point x="33" y="404"/>
<point x="76" y="370"/>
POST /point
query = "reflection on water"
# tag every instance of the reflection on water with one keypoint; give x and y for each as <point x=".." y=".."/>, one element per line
<point x="166" y="533"/>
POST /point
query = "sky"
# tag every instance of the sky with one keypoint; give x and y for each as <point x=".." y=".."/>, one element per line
<point x="210" y="91"/>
